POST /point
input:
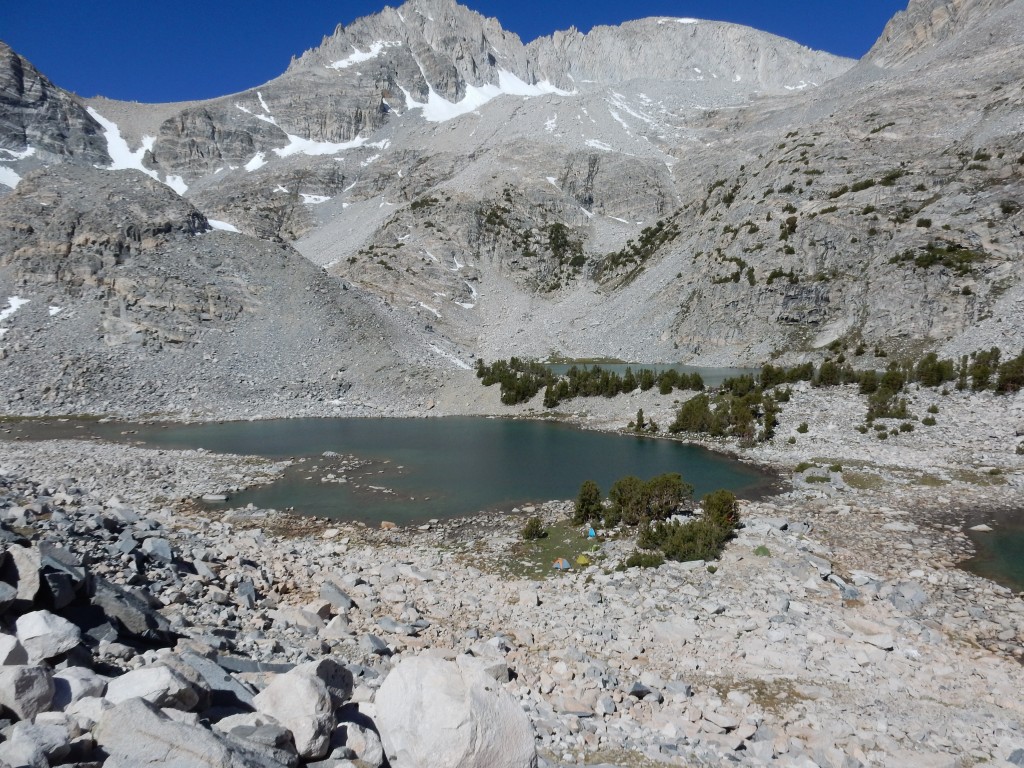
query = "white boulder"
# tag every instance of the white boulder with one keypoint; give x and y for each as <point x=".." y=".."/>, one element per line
<point x="433" y="714"/>
<point x="301" y="703"/>
<point x="44" y="635"/>
<point x="156" y="684"/>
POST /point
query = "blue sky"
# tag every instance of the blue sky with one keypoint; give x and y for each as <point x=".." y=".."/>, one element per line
<point x="148" y="51"/>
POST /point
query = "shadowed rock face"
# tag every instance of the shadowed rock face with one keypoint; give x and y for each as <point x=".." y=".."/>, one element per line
<point x="35" y="113"/>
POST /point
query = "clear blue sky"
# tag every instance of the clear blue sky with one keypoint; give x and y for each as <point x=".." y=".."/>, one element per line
<point x="149" y="51"/>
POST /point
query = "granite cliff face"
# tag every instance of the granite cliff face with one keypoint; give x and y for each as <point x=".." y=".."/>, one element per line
<point x="670" y="189"/>
<point x="925" y="25"/>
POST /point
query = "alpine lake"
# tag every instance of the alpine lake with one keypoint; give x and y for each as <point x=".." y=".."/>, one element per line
<point x="410" y="470"/>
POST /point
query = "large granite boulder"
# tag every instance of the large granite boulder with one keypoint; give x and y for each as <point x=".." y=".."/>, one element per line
<point x="26" y="690"/>
<point x="301" y="702"/>
<point x="433" y="713"/>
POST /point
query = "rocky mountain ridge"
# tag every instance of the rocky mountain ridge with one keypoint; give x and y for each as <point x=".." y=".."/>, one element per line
<point x="592" y="196"/>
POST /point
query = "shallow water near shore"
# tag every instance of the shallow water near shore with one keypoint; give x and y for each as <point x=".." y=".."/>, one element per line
<point x="999" y="554"/>
<point x="409" y="470"/>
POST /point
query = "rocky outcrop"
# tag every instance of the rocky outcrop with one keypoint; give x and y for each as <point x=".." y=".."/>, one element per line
<point x="36" y="115"/>
<point x="924" y="25"/>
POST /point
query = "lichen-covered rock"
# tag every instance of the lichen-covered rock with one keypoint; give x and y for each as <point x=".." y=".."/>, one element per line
<point x="26" y="690"/>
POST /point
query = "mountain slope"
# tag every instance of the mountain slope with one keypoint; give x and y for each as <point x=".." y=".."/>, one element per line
<point x="665" y="190"/>
<point x="129" y="302"/>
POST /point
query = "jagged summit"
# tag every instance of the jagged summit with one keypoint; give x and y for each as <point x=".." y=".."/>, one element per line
<point x="455" y="47"/>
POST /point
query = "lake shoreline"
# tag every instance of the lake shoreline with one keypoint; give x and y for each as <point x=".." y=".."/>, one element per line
<point x="839" y="608"/>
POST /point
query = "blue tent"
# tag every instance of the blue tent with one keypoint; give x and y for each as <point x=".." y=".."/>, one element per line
<point x="591" y="533"/>
<point x="561" y="564"/>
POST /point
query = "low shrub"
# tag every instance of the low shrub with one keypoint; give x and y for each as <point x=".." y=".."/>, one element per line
<point x="644" y="560"/>
<point x="534" y="529"/>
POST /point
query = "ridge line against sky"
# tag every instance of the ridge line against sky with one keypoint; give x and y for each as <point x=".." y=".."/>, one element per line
<point x="200" y="50"/>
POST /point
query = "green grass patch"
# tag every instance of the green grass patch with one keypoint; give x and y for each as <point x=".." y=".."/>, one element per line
<point x="863" y="481"/>
<point x="532" y="559"/>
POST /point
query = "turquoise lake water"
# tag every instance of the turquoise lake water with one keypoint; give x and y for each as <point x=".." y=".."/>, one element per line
<point x="418" y="469"/>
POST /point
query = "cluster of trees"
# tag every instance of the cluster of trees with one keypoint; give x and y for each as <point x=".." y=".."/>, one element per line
<point x="699" y="539"/>
<point x="521" y="380"/>
<point x="747" y="407"/>
<point x="632" y="500"/>
<point x="742" y="408"/>
<point x="648" y="505"/>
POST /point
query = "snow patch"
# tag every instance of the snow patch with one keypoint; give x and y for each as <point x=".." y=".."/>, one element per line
<point x="431" y="310"/>
<point x="54" y="311"/>
<point x="619" y="120"/>
<point x="14" y="303"/>
<point x="619" y="101"/>
<point x="314" y="199"/>
<point x="358" y="57"/>
<point x="587" y="213"/>
<point x="598" y="145"/>
<point x="438" y="109"/>
<point x="223" y="226"/>
<point x="257" y="162"/>
<point x="449" y="356"/>
<point x="474" y="296"/>
<point x="553" y="182"/>
<point x="370" y="160"/>
<point x="176" y="183"/>
<point x="803" y="84"/>
<point x="679" y="21"/>
<point x="8" y="177"/>
<point x="122" y="158"/>
<point x="300" y="146"/>
<point x="13" y="155"/>
<point x="551" y="124"/>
